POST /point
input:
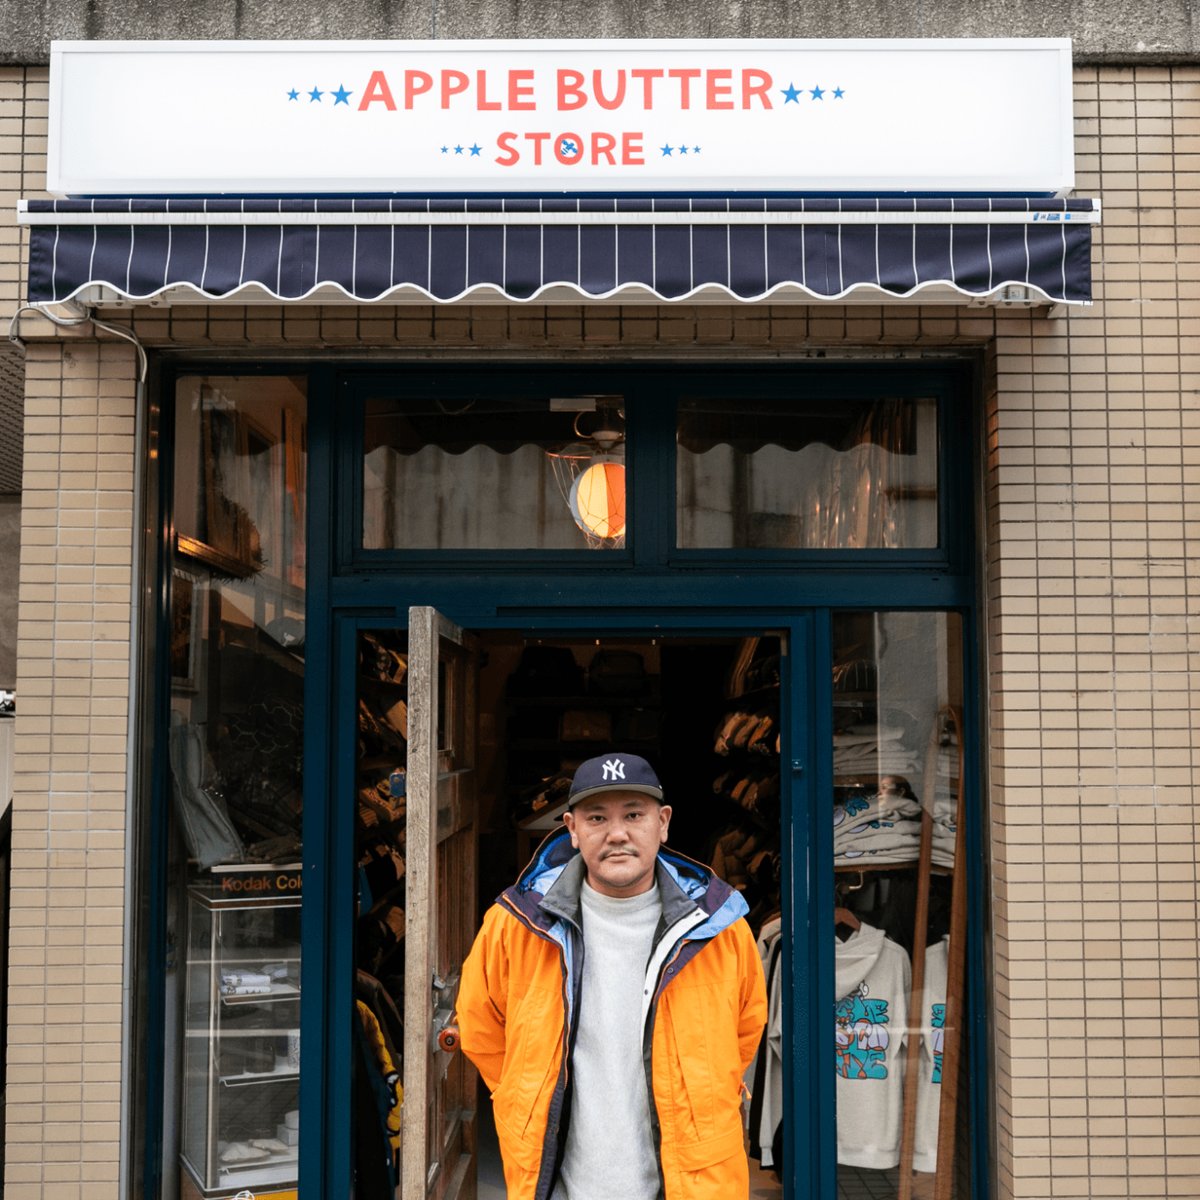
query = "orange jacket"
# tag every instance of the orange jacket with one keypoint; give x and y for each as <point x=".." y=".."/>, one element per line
<point x="705" y="1013"/>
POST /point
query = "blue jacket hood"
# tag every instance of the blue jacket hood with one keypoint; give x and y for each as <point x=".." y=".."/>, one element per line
<point x="682" y="880"/>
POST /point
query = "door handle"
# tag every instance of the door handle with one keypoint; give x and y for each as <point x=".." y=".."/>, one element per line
<point x="444" y="1032"/>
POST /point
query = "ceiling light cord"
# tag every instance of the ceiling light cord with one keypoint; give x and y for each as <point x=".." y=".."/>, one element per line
<point x="84" y="316"/>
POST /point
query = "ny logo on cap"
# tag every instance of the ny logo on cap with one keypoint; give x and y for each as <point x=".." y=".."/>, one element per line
<point x="614" y="769"/>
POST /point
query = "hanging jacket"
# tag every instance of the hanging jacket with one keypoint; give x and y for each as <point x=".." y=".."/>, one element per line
<point x="703" y="1013"/>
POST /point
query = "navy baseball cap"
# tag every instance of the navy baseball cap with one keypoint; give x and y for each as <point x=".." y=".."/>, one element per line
<point x="614" y="772"/>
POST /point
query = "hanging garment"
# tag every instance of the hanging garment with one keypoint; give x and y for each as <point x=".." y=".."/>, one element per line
<point x="371" y="992"/>
<point x="207" y="830"/>
<point x="871" y="975"/>
<point x="765" y="1075"/>
<point x="929" y="1089"/>
<point x="391" y="1096"/>
<point x="375" y="1151"/>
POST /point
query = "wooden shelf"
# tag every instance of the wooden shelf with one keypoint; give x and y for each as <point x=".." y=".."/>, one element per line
<point x="872" y="868"/>
<point x="544" y="819"/>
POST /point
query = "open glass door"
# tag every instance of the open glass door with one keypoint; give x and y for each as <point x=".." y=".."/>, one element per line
<point x="415" y="852"/>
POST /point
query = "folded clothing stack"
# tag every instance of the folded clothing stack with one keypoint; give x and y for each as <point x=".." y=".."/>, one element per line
<point x="884" y="828"/>
<point x="873" y="750"/>
<point x="245" y="983"/>
<point x="945" y="836"/>
<point x="252" y="1151"/>
<point x="288" y="1130"/>
<point x="259" y="982"/>
<point x="945" y="805"/>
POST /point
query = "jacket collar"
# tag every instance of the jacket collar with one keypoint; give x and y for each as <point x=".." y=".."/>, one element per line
<point x="549" y="888"/>
<point x="564" y="897"/>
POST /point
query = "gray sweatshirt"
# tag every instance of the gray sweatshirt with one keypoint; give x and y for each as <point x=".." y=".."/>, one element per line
<point x="610" y="1153"/>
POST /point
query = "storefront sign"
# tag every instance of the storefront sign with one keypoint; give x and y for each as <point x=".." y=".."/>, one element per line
<point x="987" y="116"/>
<point x="242" y="882"/>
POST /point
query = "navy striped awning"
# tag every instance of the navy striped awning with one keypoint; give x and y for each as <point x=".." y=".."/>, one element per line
<point x="549" y="250"/>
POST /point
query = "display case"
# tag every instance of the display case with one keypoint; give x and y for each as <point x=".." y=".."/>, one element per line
<point x="242" y="1054"/>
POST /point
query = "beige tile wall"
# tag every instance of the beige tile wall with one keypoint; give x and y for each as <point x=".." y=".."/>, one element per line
<point x="65" y="994"/>
<point x="24" y="113"/>
<point x="1093" y="485"/>
<point x="1093" y="504"/>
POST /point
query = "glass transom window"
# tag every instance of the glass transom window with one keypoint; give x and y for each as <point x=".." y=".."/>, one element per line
<point x="473" y="472"/>
<point x="801" y="474"/>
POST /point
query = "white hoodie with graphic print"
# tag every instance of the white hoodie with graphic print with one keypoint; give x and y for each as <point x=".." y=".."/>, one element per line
<point x="929" y="1090"/>
<point x="872" y="976"/>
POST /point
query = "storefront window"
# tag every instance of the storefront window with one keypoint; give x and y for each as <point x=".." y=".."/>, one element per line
<point x="802" y="474"/>
<point x="234" y="746"/>
<point x="381" y="910"/>
<point x="472" y="472"/>
<point x="900" y="889"/>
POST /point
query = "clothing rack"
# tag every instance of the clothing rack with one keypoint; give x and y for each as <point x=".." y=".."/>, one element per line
<point x="948" y="724"/>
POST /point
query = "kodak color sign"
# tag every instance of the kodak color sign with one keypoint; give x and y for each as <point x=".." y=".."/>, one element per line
<point x="653" y="116"/>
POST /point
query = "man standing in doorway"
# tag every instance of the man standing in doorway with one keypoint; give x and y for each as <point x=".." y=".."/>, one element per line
<point x="612" y="1002"/>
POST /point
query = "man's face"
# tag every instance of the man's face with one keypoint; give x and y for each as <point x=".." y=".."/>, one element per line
<point x="618" y="835"/>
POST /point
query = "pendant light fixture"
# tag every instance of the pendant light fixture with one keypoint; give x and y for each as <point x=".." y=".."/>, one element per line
<point x="590" y="471"/>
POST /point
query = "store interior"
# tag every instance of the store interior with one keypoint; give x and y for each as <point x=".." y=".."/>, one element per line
<point x="705" y="711"/>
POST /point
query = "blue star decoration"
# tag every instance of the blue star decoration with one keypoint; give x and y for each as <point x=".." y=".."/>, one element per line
<point x="682" y="149"/>
<point x="293" y="94"/>
<point x="838" y="93"/>
<point x="667" y="151"/>
<point x="790" y="93"/>
<point x="341" y="96"/>
<point x="695" y="149"/>
<point x="818" y="93"/>
<point x="475" y="149"/>
<point x="458" y="149"/>
<point x="445" y="149"/>
<point x="315" y="95"/>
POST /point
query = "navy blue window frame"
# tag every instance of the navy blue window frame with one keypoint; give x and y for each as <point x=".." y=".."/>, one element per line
<point x="656" y="590"/>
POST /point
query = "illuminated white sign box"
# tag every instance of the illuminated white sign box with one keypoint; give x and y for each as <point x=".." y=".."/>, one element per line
<point x="963" y="116"/>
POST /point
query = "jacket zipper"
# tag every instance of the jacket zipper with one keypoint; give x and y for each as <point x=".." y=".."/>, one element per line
<point x="648" y="1065"/>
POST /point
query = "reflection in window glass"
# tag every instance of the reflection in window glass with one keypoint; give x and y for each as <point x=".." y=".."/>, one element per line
<point x="475" y="473"/>
<point x="807" y="474"/>
<point x="232" y="1048"/>
<point x="381" y="853"/>
<point x="900" y="920"/>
